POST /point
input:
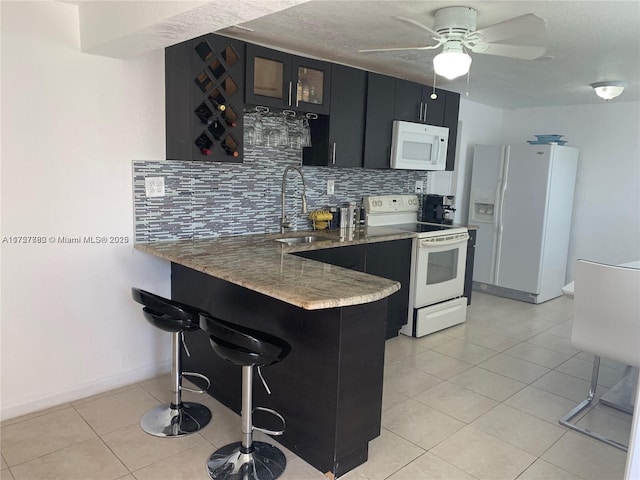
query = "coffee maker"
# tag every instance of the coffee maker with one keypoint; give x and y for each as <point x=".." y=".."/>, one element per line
<point x="437" y="209"/>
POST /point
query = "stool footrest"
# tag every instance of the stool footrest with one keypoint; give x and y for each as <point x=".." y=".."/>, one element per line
<point x="197" y="375"/>
<point x="267" y="431"/>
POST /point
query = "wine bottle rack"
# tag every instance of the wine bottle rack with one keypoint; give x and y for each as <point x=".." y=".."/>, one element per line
<point x="218" y="99"/>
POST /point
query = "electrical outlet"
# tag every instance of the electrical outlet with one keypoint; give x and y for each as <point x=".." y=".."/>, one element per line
<point x="154" y="186"/>
<point x="419" y="186"/>
<point x="330" y="187"/>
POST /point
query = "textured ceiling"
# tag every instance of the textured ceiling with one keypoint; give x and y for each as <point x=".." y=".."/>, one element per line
<point x="589" y="41"/>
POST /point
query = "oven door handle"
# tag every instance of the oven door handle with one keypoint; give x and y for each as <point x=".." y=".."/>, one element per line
<point x="426" y="242"/>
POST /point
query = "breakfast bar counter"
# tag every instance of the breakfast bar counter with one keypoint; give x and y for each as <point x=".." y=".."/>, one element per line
<point x="263" y="264"/>
<point x="329" y="388"/>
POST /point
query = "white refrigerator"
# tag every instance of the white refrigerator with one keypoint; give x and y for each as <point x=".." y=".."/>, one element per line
<point x="521" y="200"/>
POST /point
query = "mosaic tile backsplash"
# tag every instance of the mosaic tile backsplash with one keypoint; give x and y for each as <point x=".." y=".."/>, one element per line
<point x="208" y="199"/>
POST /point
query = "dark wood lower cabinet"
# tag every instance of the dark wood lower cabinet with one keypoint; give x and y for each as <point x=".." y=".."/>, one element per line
<point x="329" y="388"/>
<point x="351" y="256"/>
<point x="391" y="259"/>
<point x="471" y="252"/>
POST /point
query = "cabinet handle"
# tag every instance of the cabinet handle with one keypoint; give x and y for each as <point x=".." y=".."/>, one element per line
<point x="289" y="93"/>
<point x="297" y="89"/>
<point x="333" y="154"/>
<point x="421" y="105"/>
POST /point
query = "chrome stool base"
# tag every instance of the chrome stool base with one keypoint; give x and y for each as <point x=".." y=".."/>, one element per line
<point x="265" y="462"/>
<point x="165" y="421"/>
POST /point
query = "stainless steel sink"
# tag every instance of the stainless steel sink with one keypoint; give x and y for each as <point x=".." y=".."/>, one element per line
<point x="298" y="240"/>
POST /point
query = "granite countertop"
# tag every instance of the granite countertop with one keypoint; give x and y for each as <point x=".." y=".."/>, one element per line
<point x="260" y="263"/>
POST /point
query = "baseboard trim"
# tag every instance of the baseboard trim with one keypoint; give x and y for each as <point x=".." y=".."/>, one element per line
<point x="85" y="390"/>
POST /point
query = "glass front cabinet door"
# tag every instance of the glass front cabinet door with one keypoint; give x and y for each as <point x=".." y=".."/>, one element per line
<point x="281" y="80"/>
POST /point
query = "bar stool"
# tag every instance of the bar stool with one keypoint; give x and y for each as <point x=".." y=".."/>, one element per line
<point x="247" y="348"/>
<point x="606" y="323"/>
<point x="177" y="418"/>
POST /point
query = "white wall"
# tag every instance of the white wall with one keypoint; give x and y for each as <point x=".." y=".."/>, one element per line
<point x="72" y="125"/>
<point x="606" y="216"/>
<point x="479" y="124"/>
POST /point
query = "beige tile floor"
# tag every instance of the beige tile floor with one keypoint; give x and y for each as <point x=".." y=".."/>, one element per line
<point x="479" y="400"/>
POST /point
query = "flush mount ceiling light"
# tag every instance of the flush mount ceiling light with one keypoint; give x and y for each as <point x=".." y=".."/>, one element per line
<point x="609" y="90"/>
<point x="453" y="62"/>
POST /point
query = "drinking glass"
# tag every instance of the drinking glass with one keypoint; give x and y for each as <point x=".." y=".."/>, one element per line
<point x="250" y="135"/>
<point x="258" y="128"/>
<point x="284" y="132"/>
<point x="306" y="133"/>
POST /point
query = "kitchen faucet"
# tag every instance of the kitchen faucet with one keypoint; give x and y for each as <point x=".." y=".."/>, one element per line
<point x="285" y="222"/>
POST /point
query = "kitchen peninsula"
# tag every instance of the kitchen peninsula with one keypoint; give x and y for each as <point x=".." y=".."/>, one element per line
<point x="329" y="389"/>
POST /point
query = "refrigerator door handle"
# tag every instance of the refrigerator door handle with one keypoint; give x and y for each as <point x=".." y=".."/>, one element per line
<point x="496" y="225"/>
<point x="505" y="175"/>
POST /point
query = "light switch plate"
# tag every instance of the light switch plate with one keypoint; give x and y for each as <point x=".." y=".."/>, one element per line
<point x="330" y="187"/>
<point x="154" y="186"/>
<point x="419" y="186"/>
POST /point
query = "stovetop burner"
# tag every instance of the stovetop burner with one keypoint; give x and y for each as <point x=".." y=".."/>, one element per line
<point x="426" y="229"/>
<point x="419" y="227"/>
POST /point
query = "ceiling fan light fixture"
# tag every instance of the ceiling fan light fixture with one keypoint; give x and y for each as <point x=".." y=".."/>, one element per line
<point x="452" y="62"/>
<point x="608" y="90"/>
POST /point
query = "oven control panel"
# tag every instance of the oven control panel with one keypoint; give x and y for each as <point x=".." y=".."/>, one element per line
<point x="391" y="203"/>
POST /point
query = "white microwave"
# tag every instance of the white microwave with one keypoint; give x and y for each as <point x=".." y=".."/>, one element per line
<point x="417" y="146"/>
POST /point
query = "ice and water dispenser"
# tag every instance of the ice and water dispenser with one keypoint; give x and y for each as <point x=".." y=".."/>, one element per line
<point x="483" y="206"/>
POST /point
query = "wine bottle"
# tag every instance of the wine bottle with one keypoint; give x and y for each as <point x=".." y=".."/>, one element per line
<point x="229" y="150"/>
<point x="228" y="118"/>
<point x="216" y="129"/>
<point x="205" y="114"/>
<point x="217" y="100"/>
<point x="204" y="144"/>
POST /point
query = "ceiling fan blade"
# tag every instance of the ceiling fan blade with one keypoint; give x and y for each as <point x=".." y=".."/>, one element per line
<point x="415" y="23"/>
<point x="526" y="52"/>
<point x="393" y="49"/>
<point x="528" y="25"/>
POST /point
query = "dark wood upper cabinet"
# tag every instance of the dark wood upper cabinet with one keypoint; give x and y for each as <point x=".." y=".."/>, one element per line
<point x="434" y="108"/>
<point x="211" y="79"/>
<point x="280" y="80"/>
<point x="337" y="139"/>
<point x="408" y="104"/>
<point x="452" y="108"/>
<point x="379" y="118"/>
<point x="204" y="87"/>
<point x="413" y="103"/>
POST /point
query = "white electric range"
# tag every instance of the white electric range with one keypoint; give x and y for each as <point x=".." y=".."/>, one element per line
<point x="438" y="260"/>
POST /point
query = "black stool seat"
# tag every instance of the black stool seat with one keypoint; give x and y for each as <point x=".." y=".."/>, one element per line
<point x="176" y="418"/>
<point x="165" y="314"/>
<point x="241" y="345"/>
<point x="247" y="348"/>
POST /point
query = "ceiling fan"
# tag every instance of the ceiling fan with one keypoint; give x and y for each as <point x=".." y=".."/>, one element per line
<point x="455" y="31"/>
